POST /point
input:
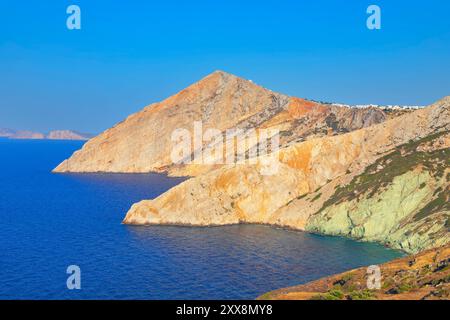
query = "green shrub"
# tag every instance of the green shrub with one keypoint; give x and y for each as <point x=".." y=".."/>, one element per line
<point x="333" y="294"/>
<point x="361" y="295"/>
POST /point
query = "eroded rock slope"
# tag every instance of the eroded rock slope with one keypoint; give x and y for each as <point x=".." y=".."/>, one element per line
<point x="387" y="183"/>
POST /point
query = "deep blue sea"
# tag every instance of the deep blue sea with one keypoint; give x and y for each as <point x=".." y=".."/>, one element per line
<point x="50" y="221"/>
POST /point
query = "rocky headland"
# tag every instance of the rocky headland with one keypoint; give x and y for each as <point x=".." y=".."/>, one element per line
<point x="424" y="276"/>
<point x="142" y="142"/>
<point x="370" y="173"/>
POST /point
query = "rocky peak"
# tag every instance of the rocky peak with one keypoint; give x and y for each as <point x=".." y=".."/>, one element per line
<point x="142" y="143"/>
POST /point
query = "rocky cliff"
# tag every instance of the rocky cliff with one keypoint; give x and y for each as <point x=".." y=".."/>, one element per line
<point x="142" y="142"/>
<point x="387" y="182"/>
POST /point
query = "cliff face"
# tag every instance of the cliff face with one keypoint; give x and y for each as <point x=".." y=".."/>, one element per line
<point x="387" y="182"/>
<point x="425" y="276"/>
<point x="142" y="143"/>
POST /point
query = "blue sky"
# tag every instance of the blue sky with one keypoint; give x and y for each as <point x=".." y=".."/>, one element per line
<point x="129" y="54"/>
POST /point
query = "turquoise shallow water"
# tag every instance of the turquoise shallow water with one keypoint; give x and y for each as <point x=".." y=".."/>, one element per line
<point x="50" y="221"/>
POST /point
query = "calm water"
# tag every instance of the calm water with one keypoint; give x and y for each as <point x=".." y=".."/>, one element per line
<point x="50" y="221"/>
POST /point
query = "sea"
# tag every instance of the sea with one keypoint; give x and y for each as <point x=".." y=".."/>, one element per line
<point x="53" y="223"/>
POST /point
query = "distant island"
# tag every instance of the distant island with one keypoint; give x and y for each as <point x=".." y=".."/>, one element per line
<point x="52" y="135"/>
<point x="424" y="276"/>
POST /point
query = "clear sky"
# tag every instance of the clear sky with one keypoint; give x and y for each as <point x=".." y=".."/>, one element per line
<point x="129" y="54"/>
